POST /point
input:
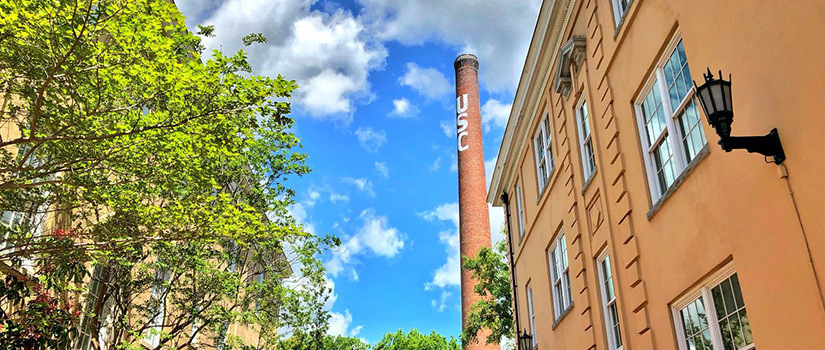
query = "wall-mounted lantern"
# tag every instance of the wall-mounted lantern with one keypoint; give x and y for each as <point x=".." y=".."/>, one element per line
<point x="715" y="98"/>
<point x="525" y="341"/>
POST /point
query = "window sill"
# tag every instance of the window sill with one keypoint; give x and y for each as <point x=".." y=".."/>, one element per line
<point x="678" y="182"/>
<point x="562" y="316"/>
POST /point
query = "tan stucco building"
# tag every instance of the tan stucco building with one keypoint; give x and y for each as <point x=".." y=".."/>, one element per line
<point x="631" y="228"/>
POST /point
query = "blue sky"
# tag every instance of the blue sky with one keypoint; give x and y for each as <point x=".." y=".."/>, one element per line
<point x="375" y="113"/>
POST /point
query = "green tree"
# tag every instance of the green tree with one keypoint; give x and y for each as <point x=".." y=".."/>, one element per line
<point x="161" y="164"/>
<point x="494" y="311"/>
<point x="330" y="342"/>
<point x="415" y="340"/>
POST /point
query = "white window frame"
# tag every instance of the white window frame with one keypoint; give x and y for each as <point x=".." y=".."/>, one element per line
<point x="582" y="108"/>
<point x="559" y="248"/>
<point x="85" y="331"/>
<point x="159" y="292"/>
<point x="619" y="12"/>
<point x="612" y="342"/>
<point x="543" y="153"/>
<point x="10" y="219"/>
<point x="671" y="133"/>
<point x="520" y="208"/>
<point x="531" y="313"/>
<point x="703" y="291"/>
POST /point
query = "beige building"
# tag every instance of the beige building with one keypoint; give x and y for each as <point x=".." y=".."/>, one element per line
<point x="631" y="228"/>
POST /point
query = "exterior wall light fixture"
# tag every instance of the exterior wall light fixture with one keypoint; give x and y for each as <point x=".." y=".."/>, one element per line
<point x="525" y="341"/>
<point x="715" y="98"/>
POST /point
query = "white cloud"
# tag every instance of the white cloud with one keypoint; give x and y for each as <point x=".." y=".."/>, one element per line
<point x="339" y="324"/>
<point x="329" y="55"/>
<point x="338" y="198"/>
<point x="497" y="31"/>
<point x="300" y="211"/>
<point x="363" y="184"/>
<point x="314" y="195"/>
<point x="371" y="140"/>
<point x="447" y="128"/>
<point x="494" y="113"/>
<point x="453" y="163"/>
<point x="381" y="168"/>
<point x="496" y="214"/>
<point x="374" y="237"/>
<point x="448" y="274"/>
<point x="402" y="108"/>
<point x="489" y="167"/>
<point x="441" y="304"/>
<point x="428" y="82"/>
<point x="436" y="165"/>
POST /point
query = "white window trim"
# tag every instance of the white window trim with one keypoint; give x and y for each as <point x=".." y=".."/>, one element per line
<point x="559" y="310"/>
<point x="158" y="292"/>
<point x="608" y="327"/>
<point x="520" y="208"/>
<point x="541" y="136"/>
<point x="703" y="291"/>
<point x="531" y="313"/>
<point x="672" y="131"/>
<point x="586" y="170"/>
<point x="618" y="16"/>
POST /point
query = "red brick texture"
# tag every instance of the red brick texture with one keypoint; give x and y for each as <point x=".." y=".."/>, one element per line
<point x="474" y="222"/>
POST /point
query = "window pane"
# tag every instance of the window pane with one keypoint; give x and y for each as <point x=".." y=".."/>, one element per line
<point x="734" y="324"/>
<point x="585" y="124"/>
<point x="654" y="116"/>
<point x="746" y="326"/>
<point x="695" y="325"/>
<point x="548" y="131"/>
<point x="693" y="137"/>
<point x="665" y="165"/>
<point x="677" y="76"/>
<point x="734" y="281"/>
<point x="563" y="245"/>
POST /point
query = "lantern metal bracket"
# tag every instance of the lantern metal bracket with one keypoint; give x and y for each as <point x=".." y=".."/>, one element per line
<point x="768" y="145"/>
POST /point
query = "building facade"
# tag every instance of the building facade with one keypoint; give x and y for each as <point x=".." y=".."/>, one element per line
<point x="631" y="228"/>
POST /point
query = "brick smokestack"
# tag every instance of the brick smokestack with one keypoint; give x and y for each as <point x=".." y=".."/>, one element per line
<point x="474" y="220"/>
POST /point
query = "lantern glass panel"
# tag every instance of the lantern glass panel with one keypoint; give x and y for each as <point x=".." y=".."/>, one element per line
<point x="728" y="100"/>
<point x="704" y="97"/>
<point x="718" y="97"/>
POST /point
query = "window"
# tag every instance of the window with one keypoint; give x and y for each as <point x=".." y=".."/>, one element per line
<point x="261" y="285"/>
<point x="560" y="276"/>
<point x="520" y="213"/>
<point x="531" y="313"/>
<point x="619" y="10"/>
<point x="609" y="307"/>
<point x="159" y="290"/>
<point x="544" y="152"/>
<point x="84" y="337"/>
<point x="12" y="221"/>
<point x="714" y="318"/>
<point x="220" y="337"/>
<point x="586" y="141"/>
<point x="671" y="129"/>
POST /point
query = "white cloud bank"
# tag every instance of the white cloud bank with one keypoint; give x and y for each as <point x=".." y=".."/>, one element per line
<point x="497" y="31"/>
<point x="403" y="108"/>
<point x="370" y="139"/>
<point x="495" y="114"/>
<point x="330" y="55"/>
<point x="362" y="184"/>
<point x="374" y="237"/>
<point x="428" y="82"/>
